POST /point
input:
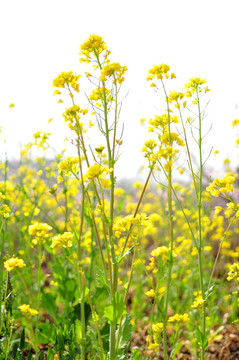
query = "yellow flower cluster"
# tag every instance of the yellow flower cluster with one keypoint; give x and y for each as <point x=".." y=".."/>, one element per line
<point x="233" y="272"/>
<point x="62" y="240"/>
<point x="66" y="80"/>
<point x="25" y="309"/>
<point x="162" y="251"/>
<point x="40" y="231"/>
<point x="176" y="97"/>
<point x="174" y="138"/>
<point x="235" y="122"/>
<point x="160" y="72"/>
<point x="99" y="93"/>
<point x="122" y="225"/>
<point x="94" y="45"/>
<point x="72" y="116"/>
<point x="195" y="84"/>
<point x="160" y="122"/>
<point x="12" y="263"/>
<point x="150" y="293"/>
<point x="198" y="302"/>
<point x="115" y="70"/>
<point x="222" y="186"/>
<point x="179" y="318"/>
<point x="99" y="172"/>
<point x="157" y="327"/>
<point x="41" y="139"/>
<point x="5" y="210"/>
<point x="69" y="166"/>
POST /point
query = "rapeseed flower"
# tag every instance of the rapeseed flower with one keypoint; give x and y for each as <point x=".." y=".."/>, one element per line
<point x="233" y="272"/>
<point x="5" y="210"/>
<point x="40" y="231"/>
<point x="222" y="186"/>
<point x="99" y="172"/>
<point x="69" y="166"/>
<point x="150" y="293"/>
<point x="160" y="72"/>
<point x="115" y="70"/>
<point x="25" y="309"/>
<point x="13" y="262"/>
<point x="66" y="79"/>
<point x="94" y="45"/>
<point x="62" y="240"/>
<point x="179" y="318"/>
<point x="199" y="301"/>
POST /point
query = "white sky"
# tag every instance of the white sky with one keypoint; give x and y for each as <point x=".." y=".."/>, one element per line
<point x="40" y="39"/>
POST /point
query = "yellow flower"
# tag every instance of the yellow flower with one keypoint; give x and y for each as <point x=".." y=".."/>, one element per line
<point x="222" y="186"/>
<point x="98" y="171"/>
<point x="198" y="302"/>
<point x="94" y="45"/>
<point x="68" y="166"/>
<point x="40" y="231"/>
<point x="153" y="346"/>
<point x="62" y="240"/>
<point x="10" y="264"/>
<point x="25" y="309"/>
<point x="235" y="122"/>
<point x="179" y="318"/>
<point x="66" y="79"/>
<point x="193" y="84"/>
<point x="158" y="72"/>
<point x="233" y="272"/>
<point x="5" y="210"/>
<point x="150" y="293"/>
<point x="157" y="327"/>
<point x="115" y="70"/>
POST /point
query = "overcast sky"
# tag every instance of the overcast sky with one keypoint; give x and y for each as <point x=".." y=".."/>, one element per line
<point x="40" y="39"/>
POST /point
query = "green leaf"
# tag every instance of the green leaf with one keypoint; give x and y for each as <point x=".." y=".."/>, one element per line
<point x="175" y="350"/>
<point x="30" y="357"/>
<point x="48" y="303"/>
<point x="128" y="252"/>
<point x="109" y="313"/>
<point x="41" y="356"/>
<point x="78" y="332"/>
<point x="50" y="354"/>
<point x="114" y="311"/>
<point x="201" y="338"/>
<point x="22" y="340"/>
<point x="60" y="340"/>
<point x="125" y="334"/>
<point x="14" y="350"/>
<point x="46" y="333"/>
<point x="100" y="279"/>
<point x="136" y="355"/>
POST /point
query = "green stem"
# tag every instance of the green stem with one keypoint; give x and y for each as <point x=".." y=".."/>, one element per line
<point x="219" y="251"/>
<point x="4" y="303"/>
<point x="111" y="162"/>
<point x="171" y="236"/>
<point x="136" y="210"/>
<point x="38" y="296"/>
<point x="200" y="263"/>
